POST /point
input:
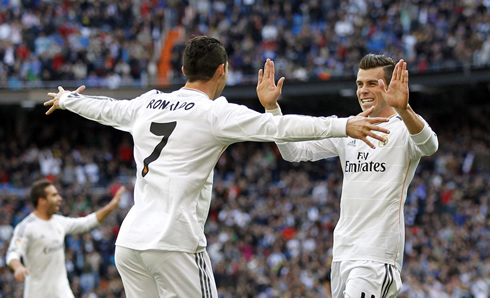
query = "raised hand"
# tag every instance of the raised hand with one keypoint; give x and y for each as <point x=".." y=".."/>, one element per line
<point x="117" y="197"/>
<point x="360" y="127"/>
<point x="267" y="90"/>
<point x="397" y="94"/>
<point x="54" y="103"/>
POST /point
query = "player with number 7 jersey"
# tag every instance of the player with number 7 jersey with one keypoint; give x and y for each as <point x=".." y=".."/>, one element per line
<point x="178" y="139"/>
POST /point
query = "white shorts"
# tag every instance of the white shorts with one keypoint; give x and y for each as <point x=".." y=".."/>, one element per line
<point x="156" y="273"/>
<point x="364" y="279"/>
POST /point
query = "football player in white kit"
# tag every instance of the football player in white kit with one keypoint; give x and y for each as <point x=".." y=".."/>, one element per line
<point x="369" y="238"/>
<point x="39" y="240"/>
<point x="178" y="138"/>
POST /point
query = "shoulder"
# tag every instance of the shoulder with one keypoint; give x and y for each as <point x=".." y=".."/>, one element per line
<point x="148" y="96"/>
<point x="26" y="224"/>
<point x="151" y="93"/>
<point x="222" y="104"/>
<point x="57" y="217"/>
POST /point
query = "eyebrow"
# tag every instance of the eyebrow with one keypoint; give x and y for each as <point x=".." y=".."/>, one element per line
<point x="369" y="81"/>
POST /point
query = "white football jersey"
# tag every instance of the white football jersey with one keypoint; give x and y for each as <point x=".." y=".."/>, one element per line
<point x="178" y="138"/>
<point x="40" y="243"/>
<point x="371" y="224"/>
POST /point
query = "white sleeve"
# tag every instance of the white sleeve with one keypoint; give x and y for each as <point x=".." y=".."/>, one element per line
<point x="78" y="225"/>
<point x="306" y="151"/>
<point x="236" y="123"/>
<point x="18" y="243"/>
<point x="105" y="110"/>
<point x="425" y="143"/>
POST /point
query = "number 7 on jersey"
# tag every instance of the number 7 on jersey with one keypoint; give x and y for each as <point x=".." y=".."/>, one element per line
<point x="159" y="129"/>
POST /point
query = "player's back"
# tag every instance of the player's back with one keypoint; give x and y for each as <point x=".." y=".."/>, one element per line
<point x="175" y="152"/>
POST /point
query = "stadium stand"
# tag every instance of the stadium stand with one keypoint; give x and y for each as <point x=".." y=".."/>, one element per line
<point x="121" y="43"/>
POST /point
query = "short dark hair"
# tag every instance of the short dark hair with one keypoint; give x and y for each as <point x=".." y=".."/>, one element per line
<point x="38" y="190"/>
<point x="202" y="55"/>
<point x="372" y="61"/>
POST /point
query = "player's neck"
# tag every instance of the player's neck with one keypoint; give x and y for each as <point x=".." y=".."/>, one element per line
<point x="386" y="113"/>
<point x="42" y="214"/>
<point x="206" y="87"/>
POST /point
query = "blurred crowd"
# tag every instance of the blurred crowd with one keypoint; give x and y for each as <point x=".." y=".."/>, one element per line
<point x="271" y="222"/>
<point x="119" y="43"/>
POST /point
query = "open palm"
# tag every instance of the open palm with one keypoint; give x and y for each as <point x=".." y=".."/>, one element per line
<point x="267" y="90"/>
<point x="397" y="94"/>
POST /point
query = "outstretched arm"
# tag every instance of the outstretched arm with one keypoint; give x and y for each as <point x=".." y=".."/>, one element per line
<point x="397" y="97"/>
<point x="119" y="114"/>
<point x="359" y="127"/>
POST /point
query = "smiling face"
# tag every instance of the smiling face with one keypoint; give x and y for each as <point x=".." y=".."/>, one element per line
<point x="369" y="92"/>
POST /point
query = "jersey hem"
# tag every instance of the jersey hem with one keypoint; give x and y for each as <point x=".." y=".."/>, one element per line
<point x="372" y="259"/>
<point x="163" y="248"/>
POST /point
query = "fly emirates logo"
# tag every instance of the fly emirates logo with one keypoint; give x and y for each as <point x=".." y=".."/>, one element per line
<point x="363" y="165"/>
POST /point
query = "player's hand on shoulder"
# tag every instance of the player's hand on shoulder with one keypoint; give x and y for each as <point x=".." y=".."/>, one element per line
<point x="55" y="102"/>
<point x="360" y="127"/>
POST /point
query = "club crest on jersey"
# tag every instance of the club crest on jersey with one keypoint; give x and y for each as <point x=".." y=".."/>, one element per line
<point x="382" y="144"/>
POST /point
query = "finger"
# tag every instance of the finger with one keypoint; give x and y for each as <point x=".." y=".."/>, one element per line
<point x="51" y="94"/>
<point x="405" y="77"/>
<point x="259" y="80"/>
<point x="394" y="76"/>
<point x="273" y="72"/>
<point x="366" y="112"/>
<point x="400" y="69"/>
<point x="377" y="137"/>
<point x="374" y="120"/>
<point x="266" y="69"/>
<point x="280" y="84"/>
<point x="365" y="140"/>
<point x="49" y="103"/>
<point x="120" y="191"/>
<point x="60" y="89"/>
<point x="378" y="128"/>
<point x="80" y="89"/>
<point x="51" y="110"/>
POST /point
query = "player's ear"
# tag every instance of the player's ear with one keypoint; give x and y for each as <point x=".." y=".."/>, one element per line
<point x="183" y="70"/>
<point x="220" y="70"/>
<point x="41" y="201"/>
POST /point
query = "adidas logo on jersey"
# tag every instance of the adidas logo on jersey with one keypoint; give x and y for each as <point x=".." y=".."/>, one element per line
<point x="352" y="143"/>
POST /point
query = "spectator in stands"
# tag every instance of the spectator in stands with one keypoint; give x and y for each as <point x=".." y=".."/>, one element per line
<point x="424" y="33"/>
